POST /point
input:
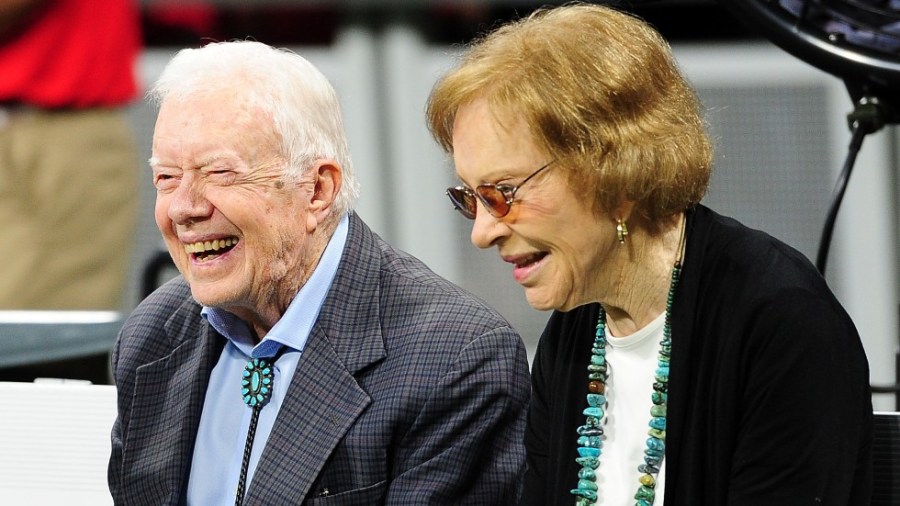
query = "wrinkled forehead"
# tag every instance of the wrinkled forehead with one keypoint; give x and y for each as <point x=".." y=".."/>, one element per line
<point x="233" y="105"/>
<point x="198" y="125"/>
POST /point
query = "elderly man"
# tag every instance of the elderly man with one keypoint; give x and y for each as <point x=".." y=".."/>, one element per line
<point x="299" y="358"/>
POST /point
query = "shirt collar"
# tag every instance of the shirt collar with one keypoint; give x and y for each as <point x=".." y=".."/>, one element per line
<point x="292" y="330"/>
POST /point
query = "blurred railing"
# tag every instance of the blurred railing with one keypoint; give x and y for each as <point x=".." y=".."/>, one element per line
<point x="29" y="337"/>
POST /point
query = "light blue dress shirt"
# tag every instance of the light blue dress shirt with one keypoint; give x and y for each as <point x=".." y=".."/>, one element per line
<point x="219" y="448"/>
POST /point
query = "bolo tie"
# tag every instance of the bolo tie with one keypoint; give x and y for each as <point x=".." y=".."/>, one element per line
<point x="257" y="382"/>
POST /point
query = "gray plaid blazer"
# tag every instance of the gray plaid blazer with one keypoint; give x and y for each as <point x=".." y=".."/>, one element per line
<point x="409" y="391"/>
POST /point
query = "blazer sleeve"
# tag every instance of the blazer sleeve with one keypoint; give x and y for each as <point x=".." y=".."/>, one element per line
<point x="114" y="470"/>
<point x="465" y="445"/>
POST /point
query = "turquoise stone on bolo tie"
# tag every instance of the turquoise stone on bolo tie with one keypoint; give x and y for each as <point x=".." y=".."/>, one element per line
<point x="256" y="384"/>
<point x="590" y="435"/>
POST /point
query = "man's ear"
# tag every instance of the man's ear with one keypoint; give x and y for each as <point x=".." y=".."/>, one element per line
<point x="328" y="178"/>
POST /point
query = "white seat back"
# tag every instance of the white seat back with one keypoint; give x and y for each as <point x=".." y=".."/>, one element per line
<point x="55" y="443"/>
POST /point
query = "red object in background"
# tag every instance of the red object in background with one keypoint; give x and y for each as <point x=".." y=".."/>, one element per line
<point x="75" y="54"/>
<point x="182" y="20"/>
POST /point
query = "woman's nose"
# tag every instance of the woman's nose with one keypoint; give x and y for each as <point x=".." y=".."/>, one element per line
<point x="486" y="229"/>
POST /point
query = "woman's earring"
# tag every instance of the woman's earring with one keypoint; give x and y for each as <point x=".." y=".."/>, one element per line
<point x="621" y="230"/>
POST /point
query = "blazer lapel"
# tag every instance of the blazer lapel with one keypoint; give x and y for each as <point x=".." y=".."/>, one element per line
<point x="167" y="404"/>
<point x="324" y="399"/>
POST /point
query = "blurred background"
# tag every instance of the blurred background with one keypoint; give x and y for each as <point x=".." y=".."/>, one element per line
<point x="779" y="126"/>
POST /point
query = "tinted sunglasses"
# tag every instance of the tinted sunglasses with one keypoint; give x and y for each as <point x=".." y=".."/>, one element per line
<point x="496" y="198"/>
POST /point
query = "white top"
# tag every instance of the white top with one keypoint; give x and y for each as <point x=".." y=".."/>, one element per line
<point x="632" y="369"/>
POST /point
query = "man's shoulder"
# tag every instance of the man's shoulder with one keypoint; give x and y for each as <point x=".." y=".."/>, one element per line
<point x="416" y="302"/>
<point x="404" y="275"/>
<point x="406" y="279"/>
<point x="163" y="302"/>
<point x="170" y="308"/>
<point x="410" y="295"/>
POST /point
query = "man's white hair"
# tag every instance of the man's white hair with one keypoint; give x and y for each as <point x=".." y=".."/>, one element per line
<point x="301" y="102"/>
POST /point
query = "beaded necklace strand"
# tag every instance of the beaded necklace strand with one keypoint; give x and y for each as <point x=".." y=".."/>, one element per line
<point x="590" y="435"/>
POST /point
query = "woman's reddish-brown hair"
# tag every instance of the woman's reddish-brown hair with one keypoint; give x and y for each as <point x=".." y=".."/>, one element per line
<point x="602" y="94"/>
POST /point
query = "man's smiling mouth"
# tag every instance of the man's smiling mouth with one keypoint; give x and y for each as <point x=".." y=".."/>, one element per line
<point x="205" y="250"/>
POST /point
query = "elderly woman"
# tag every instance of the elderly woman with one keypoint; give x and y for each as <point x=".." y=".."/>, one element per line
<point x="689" y="360"/>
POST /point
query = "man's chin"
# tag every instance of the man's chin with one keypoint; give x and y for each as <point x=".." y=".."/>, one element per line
<point x="211" y="298"/>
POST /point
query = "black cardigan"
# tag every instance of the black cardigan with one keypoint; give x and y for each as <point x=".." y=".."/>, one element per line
<point x="769" y="400"/>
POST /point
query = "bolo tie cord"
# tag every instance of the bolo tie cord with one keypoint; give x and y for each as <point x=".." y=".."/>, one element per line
<point x="257" y="382"/>
<point x="245" y="462"/>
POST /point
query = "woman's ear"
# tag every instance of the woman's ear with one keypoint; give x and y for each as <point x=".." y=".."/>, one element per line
<point x="623" y="210"/>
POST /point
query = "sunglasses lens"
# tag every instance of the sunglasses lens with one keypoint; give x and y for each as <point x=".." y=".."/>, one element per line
<point x="463" y="201"/>
<point x="493" y="200"/>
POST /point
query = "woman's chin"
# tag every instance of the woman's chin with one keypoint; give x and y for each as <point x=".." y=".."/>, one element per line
<point x="540" y="300"/>
<point x="544" y="301"/>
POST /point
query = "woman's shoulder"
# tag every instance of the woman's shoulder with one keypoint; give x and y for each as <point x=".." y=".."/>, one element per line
<point x="738" y="272"/>
<point x="744" y="282"/>
<point x="724" y="248"/>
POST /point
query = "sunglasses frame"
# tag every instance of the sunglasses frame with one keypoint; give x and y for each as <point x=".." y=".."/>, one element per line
<point x="460" y="196"/>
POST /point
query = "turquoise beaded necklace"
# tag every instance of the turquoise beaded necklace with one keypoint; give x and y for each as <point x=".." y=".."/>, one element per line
<point x="590" y="435"/>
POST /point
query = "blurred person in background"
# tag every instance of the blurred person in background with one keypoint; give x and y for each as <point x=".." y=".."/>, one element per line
<point x="298" y="359"/>
<point x="68" y="162"/>
<point x="689" y="360"/>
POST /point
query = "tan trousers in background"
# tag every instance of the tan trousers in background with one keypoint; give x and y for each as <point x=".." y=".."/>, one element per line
<point x="68" y="203"/>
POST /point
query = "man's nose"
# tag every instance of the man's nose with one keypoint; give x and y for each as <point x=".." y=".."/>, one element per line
<point x="189" y="202"/>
